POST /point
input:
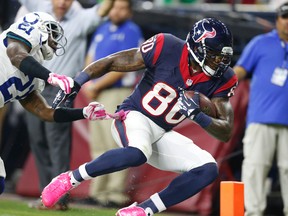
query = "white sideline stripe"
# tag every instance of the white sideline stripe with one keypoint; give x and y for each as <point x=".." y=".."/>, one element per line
<point x="158" y="202"/>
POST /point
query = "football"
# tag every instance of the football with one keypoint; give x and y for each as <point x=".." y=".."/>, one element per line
<point x="206" y="104"/>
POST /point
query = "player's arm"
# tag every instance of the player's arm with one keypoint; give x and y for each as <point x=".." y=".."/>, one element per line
<point x="222" y="126"/>
<point x="37" y="105"/>
<point x="125" y="61"/>
<point x="18" y="53"/>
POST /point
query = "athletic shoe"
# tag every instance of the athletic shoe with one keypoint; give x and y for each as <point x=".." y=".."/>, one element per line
<point x="57" y="188"/>
<point x="131" y="211"/>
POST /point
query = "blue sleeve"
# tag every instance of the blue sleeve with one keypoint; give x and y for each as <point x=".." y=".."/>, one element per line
<point x="250" y="55"/>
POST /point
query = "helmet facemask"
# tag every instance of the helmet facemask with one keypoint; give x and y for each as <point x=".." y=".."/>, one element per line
<point x="56" y="34"/>
<point x="217" y="62"/>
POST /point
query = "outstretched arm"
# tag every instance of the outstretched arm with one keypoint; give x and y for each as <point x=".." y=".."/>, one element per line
<point x="124" y="61"/>
<point x="37" y="105"/>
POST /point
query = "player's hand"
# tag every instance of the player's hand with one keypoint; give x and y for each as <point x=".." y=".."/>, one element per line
<point x="66" y="98"/>
<point x="65" y="83"/>
<point x="94" y="111"/>
<point x="189" y="106"/>
<point x="105" y="7"/>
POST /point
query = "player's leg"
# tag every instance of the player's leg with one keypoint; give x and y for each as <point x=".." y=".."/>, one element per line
<point x="259" y="148"/>
<point x="175" y="152"/>
<point x="2" y="176"/>
<point x="134" y="134"/>
<point x="134" y="130"/>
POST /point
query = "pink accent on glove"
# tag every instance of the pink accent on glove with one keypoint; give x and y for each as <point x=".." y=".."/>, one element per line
<point x="61" y="81"/>
<point x="94" y="111"/>
<point x="121" y="115"/>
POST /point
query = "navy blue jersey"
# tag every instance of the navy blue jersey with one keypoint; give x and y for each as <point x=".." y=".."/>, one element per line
<point x="167" y="73"/>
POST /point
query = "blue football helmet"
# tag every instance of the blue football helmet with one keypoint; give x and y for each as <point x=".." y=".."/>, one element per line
<point x="210" y="43"/>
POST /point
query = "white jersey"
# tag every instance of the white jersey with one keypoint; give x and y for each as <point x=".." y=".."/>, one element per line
<point x="15" y="85"/>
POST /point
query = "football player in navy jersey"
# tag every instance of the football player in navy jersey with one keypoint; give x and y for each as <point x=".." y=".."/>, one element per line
<point x="157" y="105"/>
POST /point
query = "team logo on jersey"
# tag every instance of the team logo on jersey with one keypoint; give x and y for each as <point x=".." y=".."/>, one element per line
<point x="189" y="82"/>
<point x="201" y="33"/>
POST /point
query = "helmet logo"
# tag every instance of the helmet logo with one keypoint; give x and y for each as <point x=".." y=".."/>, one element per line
<point x="201" y="33"/>
<point x="32" y="22"/>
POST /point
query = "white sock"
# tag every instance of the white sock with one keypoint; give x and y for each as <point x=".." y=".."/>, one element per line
<point x="73" y="181"/>
<point x="158" y="202"/>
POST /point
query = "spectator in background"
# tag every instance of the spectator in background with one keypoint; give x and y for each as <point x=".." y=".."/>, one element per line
<point x="50" y="142"/>
<point x="265" y="58"/>
<point x="116" y="34"/>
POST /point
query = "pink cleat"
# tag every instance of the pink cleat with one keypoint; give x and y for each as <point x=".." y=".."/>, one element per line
<point x="131" y="211"/>
<point x="58" y="187"/>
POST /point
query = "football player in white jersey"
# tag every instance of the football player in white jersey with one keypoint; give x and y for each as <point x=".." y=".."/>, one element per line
<point x="23" y="47"/>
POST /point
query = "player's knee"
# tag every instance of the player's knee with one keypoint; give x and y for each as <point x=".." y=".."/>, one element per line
<point x="210" y="172"/>
<point x="135" y="156"/>
<point x="145" y="148"/>
<point x="2" y="184"/>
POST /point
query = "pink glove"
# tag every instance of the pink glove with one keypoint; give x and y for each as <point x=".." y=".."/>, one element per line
<point x="94" y="111"/>
<point x="61" y="81"/>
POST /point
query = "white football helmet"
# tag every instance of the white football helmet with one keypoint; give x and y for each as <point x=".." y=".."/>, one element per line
<point x="48" y="26"/>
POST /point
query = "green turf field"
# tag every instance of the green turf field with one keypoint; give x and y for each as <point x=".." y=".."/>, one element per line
<point x="19" y="208"/>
